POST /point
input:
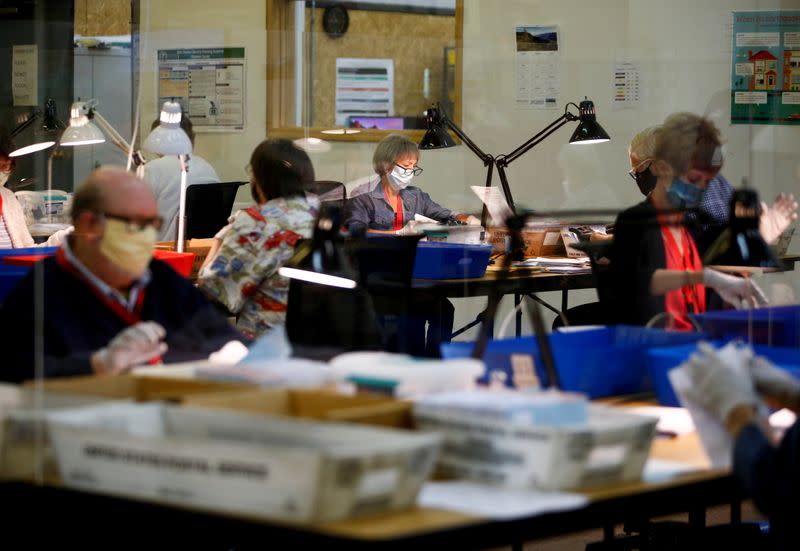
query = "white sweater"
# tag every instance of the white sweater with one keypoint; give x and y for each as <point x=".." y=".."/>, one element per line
<point x="164" y="177"/>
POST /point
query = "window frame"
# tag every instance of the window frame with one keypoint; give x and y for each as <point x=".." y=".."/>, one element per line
<point x="281" y="78"/>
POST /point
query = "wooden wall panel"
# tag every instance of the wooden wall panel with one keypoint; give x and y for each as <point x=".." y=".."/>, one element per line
<point x="102" y="17"/>
<point x="413" y="41"/>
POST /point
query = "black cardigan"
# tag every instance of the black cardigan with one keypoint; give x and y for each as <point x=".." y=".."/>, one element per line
<point x="637" y="252"/>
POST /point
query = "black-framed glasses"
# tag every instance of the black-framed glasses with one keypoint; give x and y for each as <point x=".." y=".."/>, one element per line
<point x="635" y="170"/>
<point x="416" y="171"/>
<point x="135" y="225"/>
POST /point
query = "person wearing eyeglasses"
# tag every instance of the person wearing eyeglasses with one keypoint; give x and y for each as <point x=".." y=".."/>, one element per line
<point x="711" y="216"/>
<point x="655" y="261"/>
<point x="102" y="304"/>
<point x="14" y="232"/>
<point x="388" y="203"/>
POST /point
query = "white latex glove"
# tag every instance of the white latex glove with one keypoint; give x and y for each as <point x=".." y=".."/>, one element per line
<point x="231" y="353"/>
<point x="58" y="237"/>
<point x="740" y="292"/>
<point x="777" y="217"/>
<point x="409" y="229"/>
<point x="132" y="346"/>
<point x="473" y="221"/>
<point x="778" y="385"/>
<point x="720" y="386"/>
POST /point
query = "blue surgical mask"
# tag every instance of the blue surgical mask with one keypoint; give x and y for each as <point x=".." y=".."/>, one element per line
<point x="682" y="195"/>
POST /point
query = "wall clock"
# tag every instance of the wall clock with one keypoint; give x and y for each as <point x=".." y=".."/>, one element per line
<point x="335" y="21"/>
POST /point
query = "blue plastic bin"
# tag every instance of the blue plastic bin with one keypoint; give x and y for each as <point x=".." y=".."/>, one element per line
<point x="662" y="360"/>
<point x="11" y="275"/>
<point x="600" y="362"/>
<point x="775" y="325"/>
<point x="450" y="260"/>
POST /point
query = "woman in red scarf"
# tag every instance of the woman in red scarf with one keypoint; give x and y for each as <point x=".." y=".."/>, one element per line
<point x="655" y="261"/>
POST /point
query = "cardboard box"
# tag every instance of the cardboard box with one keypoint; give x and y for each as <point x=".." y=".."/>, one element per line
<point x="539" y="242"/>
<point x="610" y="449"/>
<point x="26" y="452"/>
<point x="312" y="404"/>
<point x="266" y="466"/>
<point x="200" y="248"/>
<point x="136" y="387"/>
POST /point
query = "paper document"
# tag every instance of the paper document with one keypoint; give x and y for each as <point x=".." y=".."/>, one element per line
<point x="425" y="219"/>
<point x="561" y="264"/>
<point x="495" y="502"/>
<point x="495" y="203"/>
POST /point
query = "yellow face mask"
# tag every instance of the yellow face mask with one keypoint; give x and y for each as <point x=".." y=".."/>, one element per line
<point x="129" y="251"/>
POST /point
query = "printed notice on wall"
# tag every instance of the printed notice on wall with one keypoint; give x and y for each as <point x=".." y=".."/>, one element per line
<point x="626" y="85"/>
<point x="24" y="81"/>
<point x="765" y="73"/>
<point x="538" y="70"/>
<point x="364" y="88"/>
<point x="209" y="83"/>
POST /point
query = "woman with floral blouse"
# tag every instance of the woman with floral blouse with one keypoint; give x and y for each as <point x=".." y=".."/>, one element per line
<point x="241" y="271"/>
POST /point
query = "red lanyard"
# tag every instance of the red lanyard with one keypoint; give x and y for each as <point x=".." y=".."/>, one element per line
<point x="398" y="213"/>
<point x="686" y="259"/>
<point x="127" y="316"/>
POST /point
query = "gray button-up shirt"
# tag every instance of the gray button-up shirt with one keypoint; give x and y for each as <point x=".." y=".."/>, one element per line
<point x="369" y="209"/>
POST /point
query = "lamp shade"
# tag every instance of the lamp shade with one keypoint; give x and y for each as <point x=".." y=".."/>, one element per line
<point x="81" y="130"/>
<point x="321" y="260"/>
<point x="35" y="136"/>
<point x="168" y="138"/>
<point x="436" y="137"/>
<point x="740" y="247"/>
<point x="589" y="130"/>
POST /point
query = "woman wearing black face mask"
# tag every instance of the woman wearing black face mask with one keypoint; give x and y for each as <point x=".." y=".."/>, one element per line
<point x="655" y="263"/>
<point x="640" y="153"/>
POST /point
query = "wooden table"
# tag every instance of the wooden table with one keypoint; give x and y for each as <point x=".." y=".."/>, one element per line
<point x="70" y="516"/>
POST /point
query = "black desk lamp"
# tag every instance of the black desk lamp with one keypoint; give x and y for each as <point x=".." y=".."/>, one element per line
<point x="38" y="137"/>
<point x="321" y="259"/>
<point x="588" y="131"/>
<point x="740" y="247"/>
<point x="437" y="137"/>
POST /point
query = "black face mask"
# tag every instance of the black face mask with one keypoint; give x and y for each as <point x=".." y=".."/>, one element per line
<point x="646" y="181"/>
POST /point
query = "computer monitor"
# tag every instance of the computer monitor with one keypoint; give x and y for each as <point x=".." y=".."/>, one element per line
<point x="380" y="123"/>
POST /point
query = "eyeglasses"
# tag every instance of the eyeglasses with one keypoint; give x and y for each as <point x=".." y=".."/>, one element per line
<point x="416" y="171"/>
<point x="134" y="225"/>
<point x="635" y="170"/>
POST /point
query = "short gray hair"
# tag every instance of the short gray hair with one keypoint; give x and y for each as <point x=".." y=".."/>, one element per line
<point x="686" y="139"/>
<point x="391" y="148"/>
<point x="643" y="144"/>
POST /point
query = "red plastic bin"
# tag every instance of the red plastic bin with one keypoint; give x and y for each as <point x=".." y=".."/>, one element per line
<point x="180" y="262"/>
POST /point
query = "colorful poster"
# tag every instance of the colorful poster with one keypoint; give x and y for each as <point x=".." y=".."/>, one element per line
<point x="364" y="88"/>
<point x="538" y="69"/>
<point x="765" y="73"/>
<point x="209" y="83"/>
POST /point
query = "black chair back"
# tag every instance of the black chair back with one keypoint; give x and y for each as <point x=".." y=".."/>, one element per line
<point x="208" y="207"/>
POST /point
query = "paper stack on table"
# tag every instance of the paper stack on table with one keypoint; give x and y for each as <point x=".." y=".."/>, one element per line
<point x="561" y="265"/>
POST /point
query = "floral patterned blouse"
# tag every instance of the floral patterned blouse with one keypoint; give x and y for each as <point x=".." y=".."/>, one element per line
<point x="244" y="274"/>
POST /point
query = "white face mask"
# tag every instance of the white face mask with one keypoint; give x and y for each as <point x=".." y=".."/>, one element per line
<point x="4" y="176"/>
<point x="398" y="178"/>
<point x="129" y="251"/>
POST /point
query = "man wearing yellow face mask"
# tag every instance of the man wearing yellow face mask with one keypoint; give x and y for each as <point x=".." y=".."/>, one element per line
<point x="107" y="305"/>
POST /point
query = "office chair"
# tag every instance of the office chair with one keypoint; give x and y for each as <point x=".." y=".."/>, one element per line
<point x="328" y="190"/>
<point x="208" y="207"/>
<point x="386" y="265"/>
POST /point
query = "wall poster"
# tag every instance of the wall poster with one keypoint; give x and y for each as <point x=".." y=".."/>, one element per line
<point x="765" y="73"/>
<point x="209" y="83"/>
<point x="364" y="87"/>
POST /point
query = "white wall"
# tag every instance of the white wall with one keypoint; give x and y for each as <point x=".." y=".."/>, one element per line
<point x="683" y="50"/>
